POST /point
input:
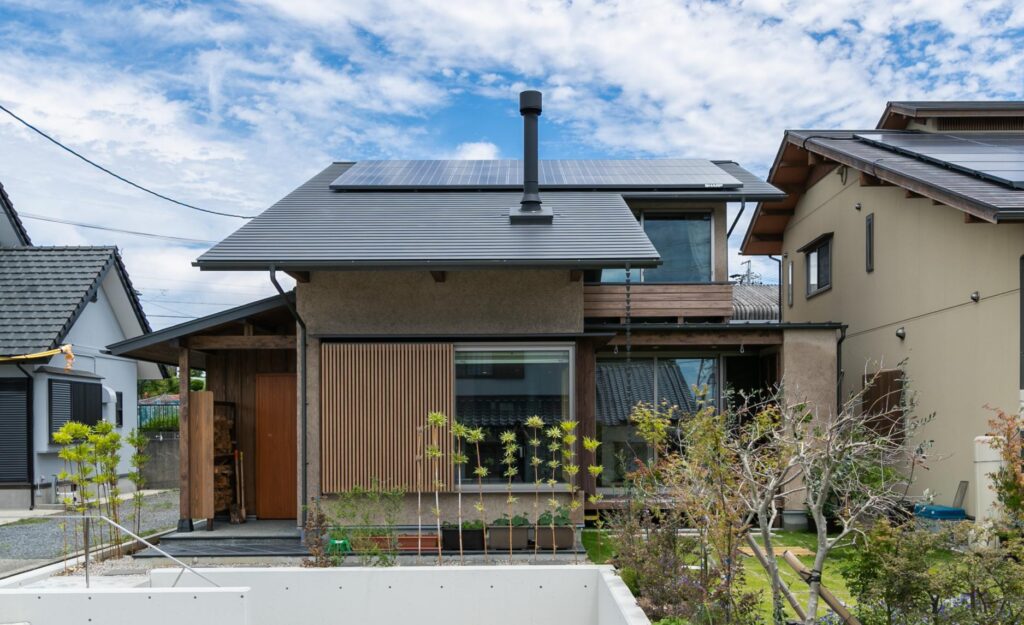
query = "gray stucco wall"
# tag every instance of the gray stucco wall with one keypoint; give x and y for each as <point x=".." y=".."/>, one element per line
<point x="467" y="302"/>
<point x="404" y="303"/>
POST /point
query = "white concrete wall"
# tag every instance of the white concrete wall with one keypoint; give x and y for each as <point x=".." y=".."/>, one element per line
<point x="470" y="595"/>
<point x="126" y="606"/>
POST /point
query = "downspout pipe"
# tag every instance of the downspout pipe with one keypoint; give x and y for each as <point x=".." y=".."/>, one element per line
<point x="31" y="443"/>
<point x="302" y="389"/>
<point x="839" y="369"/>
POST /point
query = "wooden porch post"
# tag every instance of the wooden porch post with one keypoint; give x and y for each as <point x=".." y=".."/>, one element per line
<point x="586" y="410"/>
<point x="185" y="494"/>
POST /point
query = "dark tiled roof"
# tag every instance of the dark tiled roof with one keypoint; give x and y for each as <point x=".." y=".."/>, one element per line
<point x="45" y="289"/>
<point x="755" y="302"/>
<point x="12" y="215"/>
<point x="621" y="384"/>
<point x="1002" y="201"/>
<point x="503" y="411"/>
<point x="315" y="227"/>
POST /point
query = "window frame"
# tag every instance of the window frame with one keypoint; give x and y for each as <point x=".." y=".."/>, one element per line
<point x="659" y="214"/>
<point x="789" y="283"/>
<point x="814" y="248"/>
<point x="869" y="243"/>
<point x="570" y="347"/>
<point x="96" y="388"/>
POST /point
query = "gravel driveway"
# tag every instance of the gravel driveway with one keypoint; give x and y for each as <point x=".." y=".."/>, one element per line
<point x="34" y="541"/>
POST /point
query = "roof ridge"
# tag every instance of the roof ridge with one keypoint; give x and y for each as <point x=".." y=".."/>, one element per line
<point x="8" y="205"/>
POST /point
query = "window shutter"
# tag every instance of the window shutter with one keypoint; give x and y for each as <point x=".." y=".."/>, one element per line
<point x="14" y="430"/>
<point x="881" y="403"/>
<point x="74" y="401"/>
<point x="60" y="404"/>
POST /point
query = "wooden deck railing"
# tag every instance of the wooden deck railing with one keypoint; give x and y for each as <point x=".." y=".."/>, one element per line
<point x="664" y="301"/>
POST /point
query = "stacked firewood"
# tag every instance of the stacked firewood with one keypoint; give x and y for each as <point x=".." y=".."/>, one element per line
<point x="222" y="443"/>
<point x="223" y="486"/>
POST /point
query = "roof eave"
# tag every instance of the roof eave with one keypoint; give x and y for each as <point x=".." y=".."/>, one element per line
<point x="423" y="265"/>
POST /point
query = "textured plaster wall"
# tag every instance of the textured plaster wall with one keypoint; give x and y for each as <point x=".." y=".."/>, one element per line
<point x="960" y="355"/>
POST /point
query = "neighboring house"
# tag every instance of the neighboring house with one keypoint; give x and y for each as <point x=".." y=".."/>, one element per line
<point x="51" y="296"/>
<point x="458" y="286"/>
<point x="911" y="234"/>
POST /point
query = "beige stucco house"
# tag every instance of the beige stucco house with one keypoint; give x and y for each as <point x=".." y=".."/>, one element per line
<point x="911" y="235"/>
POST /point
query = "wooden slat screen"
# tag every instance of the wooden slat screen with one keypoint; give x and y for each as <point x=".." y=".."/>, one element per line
<point x="200" y="431"/>
<point x="658" y="300"/>
<point x="374" y="399"/>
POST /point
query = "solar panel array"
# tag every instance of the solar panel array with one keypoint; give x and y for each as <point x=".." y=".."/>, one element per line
<point x="996" y="157"/>
<point x="554" y="174"/>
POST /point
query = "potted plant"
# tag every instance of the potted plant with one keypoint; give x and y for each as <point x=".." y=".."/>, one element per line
<point x="459" y="458"/>
<point x="536" y="425"/>
<point x="436" y="421"/>
<point x="562" y="534"/>
<point x="474" y="437"/>
<point x="510" y="533"/>
<point x="510" y="449"/>
<point x="471" y="532"/>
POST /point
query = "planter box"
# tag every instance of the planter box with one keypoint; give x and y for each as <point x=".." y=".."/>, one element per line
<point x="367" y="543"/>
<point x="565" y="537"/>
<point x="427" y="542"/>
<point x="498" y="538"/>
<point x="472" y="540"/>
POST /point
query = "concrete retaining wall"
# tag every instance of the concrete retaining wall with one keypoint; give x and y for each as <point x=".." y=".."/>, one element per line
<point x="496" y="595"/>
<point x="126" y="606"/>
<point x="162" y="469"/>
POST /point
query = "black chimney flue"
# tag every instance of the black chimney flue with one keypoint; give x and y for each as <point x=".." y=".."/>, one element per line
<point x="530" y="209"/>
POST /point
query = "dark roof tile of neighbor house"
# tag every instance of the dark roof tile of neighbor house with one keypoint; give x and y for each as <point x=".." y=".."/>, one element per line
<point x="45" y="289"/>
<point x="316" y="227"/>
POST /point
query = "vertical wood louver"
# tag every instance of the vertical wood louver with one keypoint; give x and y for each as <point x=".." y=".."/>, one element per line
<point x="374" y="398"/>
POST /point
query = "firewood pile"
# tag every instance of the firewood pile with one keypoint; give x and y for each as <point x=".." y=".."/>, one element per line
<point x="223" y="486"/>
<point x="222" y="425"/>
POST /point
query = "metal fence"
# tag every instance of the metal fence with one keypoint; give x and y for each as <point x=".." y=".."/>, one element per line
<point x="158" y="417"/>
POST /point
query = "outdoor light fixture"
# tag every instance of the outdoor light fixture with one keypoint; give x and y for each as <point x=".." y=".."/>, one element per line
<point x="857" y="206"/>
<point x="975" y="296"/>
<point x="901" y="333"/>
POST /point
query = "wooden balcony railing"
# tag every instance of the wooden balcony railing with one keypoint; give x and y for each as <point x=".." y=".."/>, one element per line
<point x="675" y="302"/>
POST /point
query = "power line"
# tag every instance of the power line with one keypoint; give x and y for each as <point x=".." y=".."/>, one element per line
<point x="151" y="235"/>
<point x="173" y="316"/>
<point x="178" y="301"/>
<point x="118" y="176"/>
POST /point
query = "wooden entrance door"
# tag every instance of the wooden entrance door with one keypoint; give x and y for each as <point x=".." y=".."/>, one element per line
<point x="276" y="490"/>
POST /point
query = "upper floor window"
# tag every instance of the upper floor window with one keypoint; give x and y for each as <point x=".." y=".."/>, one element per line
<point x="684" y="241"/>
<point x="869" y="243"/>
<point x="818" y="254"/>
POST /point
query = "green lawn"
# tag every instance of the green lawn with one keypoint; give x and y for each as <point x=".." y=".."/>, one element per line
<point x="599" y="550"/>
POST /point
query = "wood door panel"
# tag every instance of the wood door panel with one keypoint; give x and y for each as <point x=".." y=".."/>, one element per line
<point x="276" y="439"/>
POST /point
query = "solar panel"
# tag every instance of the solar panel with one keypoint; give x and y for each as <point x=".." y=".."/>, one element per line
<point x="999" y="158"/>
<point x="554" y="174"/>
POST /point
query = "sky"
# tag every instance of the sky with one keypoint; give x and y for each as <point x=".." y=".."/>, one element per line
<point x="230" y="105"/>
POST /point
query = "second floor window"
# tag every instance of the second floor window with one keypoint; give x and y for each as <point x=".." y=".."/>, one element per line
<point x="818" y="254"/>
<point x="684" y="241"/>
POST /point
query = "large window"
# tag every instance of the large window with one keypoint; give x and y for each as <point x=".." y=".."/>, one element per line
<point x="818" y="254"/>
<point x="684" y="242"/>
<point x="497" y="389"/>
<point x="689" y="383"/>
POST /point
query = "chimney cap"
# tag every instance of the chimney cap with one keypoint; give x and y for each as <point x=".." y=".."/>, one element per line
<point x="529" y="102"/>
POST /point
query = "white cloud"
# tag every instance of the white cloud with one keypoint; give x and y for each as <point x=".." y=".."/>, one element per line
<point x="234" y="104"/>
<point x="476" y="150"/>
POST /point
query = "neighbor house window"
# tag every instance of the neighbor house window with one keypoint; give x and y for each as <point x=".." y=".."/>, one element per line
<point x="684" y="242"/>
<point x="688" y="383"/>
<point x="497" y="389"/>
<point x="789" y="283"/>
<point x="869" y="243"/>
<point x="818" y="254"/>
<point x="74" y="401"/>
<point x="119" y="410"/>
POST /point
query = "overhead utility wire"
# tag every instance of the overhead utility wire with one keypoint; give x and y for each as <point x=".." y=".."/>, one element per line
<point x="152" y="235"/>
<point x="118" y="176"/>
